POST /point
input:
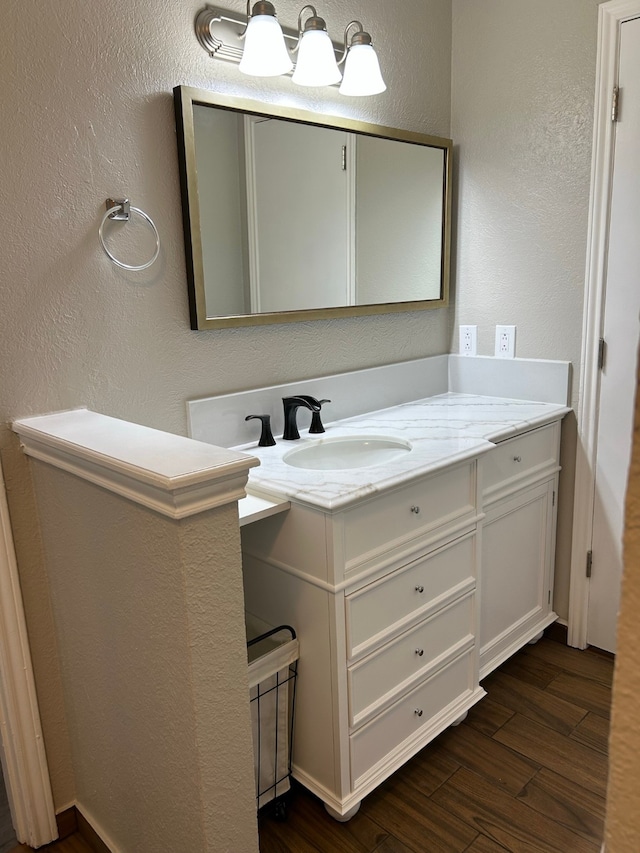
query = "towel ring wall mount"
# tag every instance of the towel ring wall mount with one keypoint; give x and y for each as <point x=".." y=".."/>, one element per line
<point x="120" y="210"/>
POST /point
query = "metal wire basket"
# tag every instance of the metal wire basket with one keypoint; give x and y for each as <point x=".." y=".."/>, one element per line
<point x="273" y="669"/>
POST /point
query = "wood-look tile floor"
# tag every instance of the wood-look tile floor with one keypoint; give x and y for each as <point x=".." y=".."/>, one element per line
<point x="526" y="771"/>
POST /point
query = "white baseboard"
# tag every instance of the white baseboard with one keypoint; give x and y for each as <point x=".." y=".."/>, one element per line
<point x="99" y="831"/>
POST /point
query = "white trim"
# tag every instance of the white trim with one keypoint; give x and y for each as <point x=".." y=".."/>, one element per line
<point x="24" y="758"/>
<point x="610" y="17"/>
<point x="97" y="828"/>
<point x="175" y="503"/>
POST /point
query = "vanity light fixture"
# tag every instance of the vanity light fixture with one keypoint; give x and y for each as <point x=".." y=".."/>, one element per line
<point x="265" y="49"/>
<point x="265" y="54"/>
<point x="362" y="75"/>
<point x="316" y="64"/>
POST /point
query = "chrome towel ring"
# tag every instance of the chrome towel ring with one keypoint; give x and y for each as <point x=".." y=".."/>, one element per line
<point x="121" y="210"/>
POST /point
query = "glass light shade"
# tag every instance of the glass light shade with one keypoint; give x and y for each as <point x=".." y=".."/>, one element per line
<point x="362" y="74"/>
<point x="265" y="54"/>
<point x="316" y="65"/>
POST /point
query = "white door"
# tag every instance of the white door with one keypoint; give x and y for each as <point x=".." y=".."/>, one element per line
<point x="621" y="333"/>
<point x="299" y="210"/>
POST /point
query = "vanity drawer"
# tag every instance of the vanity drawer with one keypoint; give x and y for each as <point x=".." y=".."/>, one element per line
<point x="412" y="653"/>
<point x="384" y="522"/>
<point x="394" y="601"/>
<point x="520" y="457"/>
<point x="406" y="719"/>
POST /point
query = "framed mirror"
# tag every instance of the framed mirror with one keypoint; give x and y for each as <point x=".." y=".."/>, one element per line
<point x="292" y="216"/>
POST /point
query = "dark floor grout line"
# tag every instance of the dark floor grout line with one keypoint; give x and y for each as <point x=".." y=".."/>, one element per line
<point x="592" y="839"/>
<point x="572" y="675"/>
<point x="387" y="836"/>
<point x="470" y="845"/>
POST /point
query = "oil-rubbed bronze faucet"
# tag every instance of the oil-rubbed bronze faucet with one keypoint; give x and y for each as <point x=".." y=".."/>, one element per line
<point x="316" y="423"/>
<point x="291" y="406"/>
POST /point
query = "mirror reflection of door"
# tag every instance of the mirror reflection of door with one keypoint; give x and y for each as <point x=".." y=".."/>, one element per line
<point x="398" y="221"/>
<point x="299" y="216"/>
<point x="219" y="150"/>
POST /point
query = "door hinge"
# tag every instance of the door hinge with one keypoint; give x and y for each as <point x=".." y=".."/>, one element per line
<point x="553" y="499"/>
<point x="615" y="104"/>
<point x="602" y="351"/>
<point x="549" y="598"/>
<point x="589" y="563"/>
<point x="344" y="158"/>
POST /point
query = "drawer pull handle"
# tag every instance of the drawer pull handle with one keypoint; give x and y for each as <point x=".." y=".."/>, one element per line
<point x="517" y="458"/>
<point x="420" y="589"/>
<point x="418" y="712"/>
<point x="419" y="652"/>
<point x="415" y="510"/>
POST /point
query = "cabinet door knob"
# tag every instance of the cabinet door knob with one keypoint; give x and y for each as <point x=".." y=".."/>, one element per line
<point x="517" y="458"/>
<point x="419" y="652"/>
<point x="418" y="712"/>
<point x="420" y="589"/>
<point x="415" y="510"/>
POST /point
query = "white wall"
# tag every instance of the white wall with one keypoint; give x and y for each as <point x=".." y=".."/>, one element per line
<point x="523" y="82"/>
<point x="87" y="113"/>
<point x="158" y="718"/>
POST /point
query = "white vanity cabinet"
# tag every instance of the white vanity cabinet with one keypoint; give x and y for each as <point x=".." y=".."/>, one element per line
<point x="382" y="594"/>
<point x="520" y="481"/>
<point x="405" y="598"/>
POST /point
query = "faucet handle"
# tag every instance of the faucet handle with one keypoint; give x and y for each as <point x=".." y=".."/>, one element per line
<point x="316" y="423"/>
<point x="266" y="436"/>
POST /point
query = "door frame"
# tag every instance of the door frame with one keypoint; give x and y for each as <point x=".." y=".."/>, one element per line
<point x="26" y="773"/>
<point x="611" y="16"/>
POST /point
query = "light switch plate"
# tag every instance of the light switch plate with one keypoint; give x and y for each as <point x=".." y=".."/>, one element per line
<point x="505" y="342"/>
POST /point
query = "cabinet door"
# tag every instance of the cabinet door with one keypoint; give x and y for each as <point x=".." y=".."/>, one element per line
<point x="518" y="538"/>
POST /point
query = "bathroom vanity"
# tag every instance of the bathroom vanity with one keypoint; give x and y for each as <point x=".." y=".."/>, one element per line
<point x="408" y="581"/>
<point x="411" y="548"/>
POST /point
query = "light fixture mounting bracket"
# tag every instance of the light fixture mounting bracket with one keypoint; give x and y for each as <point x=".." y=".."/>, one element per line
<point x="220" y="33"/>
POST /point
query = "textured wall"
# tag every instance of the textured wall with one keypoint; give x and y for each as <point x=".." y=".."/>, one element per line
<point x="523" y="82"/>
<point x="523" y="85"/>
<point x="623" y="814"/>
<point x="87" y="114"/>
<point x="158" y="718"/>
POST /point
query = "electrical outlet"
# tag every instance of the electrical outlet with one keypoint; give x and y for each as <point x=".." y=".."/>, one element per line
<point x="505" y="341"/>
<point x="468" y="340"/>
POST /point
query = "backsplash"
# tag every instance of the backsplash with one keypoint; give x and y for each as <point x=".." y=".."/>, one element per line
<point x="221" y="420"/>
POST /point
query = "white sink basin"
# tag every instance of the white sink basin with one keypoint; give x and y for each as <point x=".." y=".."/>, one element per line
<point x="357" y="451"/>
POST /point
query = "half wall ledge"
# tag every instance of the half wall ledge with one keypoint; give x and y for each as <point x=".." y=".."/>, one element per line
<point x="170" y="474"/>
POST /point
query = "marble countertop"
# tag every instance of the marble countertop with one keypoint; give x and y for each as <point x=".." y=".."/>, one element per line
<point x="442" y="430"/>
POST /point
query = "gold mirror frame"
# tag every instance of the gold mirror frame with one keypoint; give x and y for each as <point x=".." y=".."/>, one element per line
<point x="185" y="98"/>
